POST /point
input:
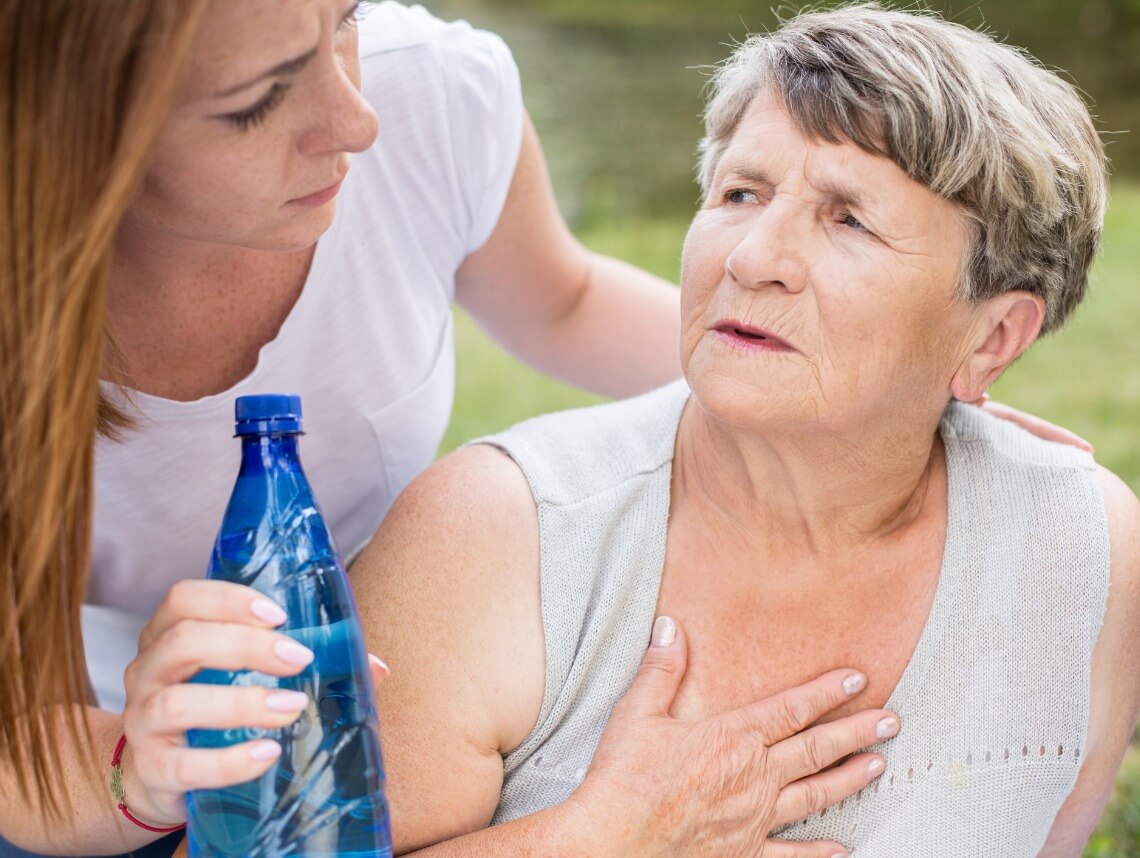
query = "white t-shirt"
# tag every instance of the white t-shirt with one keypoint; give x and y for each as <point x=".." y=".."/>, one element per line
<point x="368" y="345"/>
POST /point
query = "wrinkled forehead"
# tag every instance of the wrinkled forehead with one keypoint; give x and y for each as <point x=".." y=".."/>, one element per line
<point x="770" y="147"/>
<point x="771" y="133"/>
<point x="240" y="39"/>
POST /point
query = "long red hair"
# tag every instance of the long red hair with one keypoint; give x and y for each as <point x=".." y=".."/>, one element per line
<point x="84" y="90"/>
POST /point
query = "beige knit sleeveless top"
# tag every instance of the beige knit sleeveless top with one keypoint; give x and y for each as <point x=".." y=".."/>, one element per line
<point x="995" y="698"/>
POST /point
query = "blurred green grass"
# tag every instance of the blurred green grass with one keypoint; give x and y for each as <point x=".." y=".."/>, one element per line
<point x="1085" y="377"/>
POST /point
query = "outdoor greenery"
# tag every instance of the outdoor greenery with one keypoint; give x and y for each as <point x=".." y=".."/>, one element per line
<point x="1086" y="377"/>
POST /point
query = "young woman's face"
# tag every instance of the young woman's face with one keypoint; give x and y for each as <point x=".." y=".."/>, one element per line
<point x="259" y="137"/>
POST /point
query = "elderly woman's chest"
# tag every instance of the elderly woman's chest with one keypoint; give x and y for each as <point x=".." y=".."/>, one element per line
<point x="752" y="634"/>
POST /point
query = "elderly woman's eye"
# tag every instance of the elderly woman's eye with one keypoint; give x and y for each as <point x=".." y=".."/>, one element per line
<point x="739" y="196"/>
<point x="853" y="222"/>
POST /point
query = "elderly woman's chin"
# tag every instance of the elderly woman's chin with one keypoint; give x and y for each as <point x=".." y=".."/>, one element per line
<point x="792" y="399"/>
<point x="756" y="392"/>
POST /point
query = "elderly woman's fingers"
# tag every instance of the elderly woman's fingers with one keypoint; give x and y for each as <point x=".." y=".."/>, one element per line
<point x="807" y="849"/>
<point x="659" y="676"/>
<point x="782" y="715"/>
<point x="1035" y="425"/>
<point x="219" y="601"/>
<point x="812" y="794"/>
<point x="814" y="750"/>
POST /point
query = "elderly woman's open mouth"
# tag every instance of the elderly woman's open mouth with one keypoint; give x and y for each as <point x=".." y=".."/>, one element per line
<point x="749" y="337"/>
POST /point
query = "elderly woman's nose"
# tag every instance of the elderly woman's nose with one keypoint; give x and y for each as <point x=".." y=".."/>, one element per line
<point x="770" y="253"/>
<point x="343" y="121"/>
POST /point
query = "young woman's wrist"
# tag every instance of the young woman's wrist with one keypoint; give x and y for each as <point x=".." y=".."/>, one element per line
<point x="138" y="799"/>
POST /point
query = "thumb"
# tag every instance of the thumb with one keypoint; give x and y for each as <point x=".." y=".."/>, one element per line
<point x="378" y="669"/>
<point x="659" y="676"/>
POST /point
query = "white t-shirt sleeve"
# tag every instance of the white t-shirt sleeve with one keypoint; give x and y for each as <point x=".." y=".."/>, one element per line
<point x="485" y="104"/>
<point x="451" y="119"/>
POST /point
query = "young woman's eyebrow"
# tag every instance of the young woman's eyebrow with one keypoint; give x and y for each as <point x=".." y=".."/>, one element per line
<point x="288" y="67"/>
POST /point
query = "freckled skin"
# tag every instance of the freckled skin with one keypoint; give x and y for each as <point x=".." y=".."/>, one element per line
<point x="213" y="254"/>
<point x="211" y="181"/>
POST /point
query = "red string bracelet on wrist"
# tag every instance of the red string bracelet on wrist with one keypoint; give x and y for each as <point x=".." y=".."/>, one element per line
<point x="120" y="794"/>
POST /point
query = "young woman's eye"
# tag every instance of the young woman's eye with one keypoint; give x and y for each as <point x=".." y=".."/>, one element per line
<point x="740" y="196"/>
<point x="254" y="116"/>
<point x="348" y="22"/>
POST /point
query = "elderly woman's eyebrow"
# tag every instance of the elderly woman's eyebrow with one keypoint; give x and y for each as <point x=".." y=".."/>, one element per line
<point x="846" y="195"/>
<point x="752" y="175"/>
<point x="286" y="68"/>
<point x="835" y="190"/>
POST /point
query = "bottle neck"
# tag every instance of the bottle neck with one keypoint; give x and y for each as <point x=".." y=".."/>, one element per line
<point x="266" y="454"/>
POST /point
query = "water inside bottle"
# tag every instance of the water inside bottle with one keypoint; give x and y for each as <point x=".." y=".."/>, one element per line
<point x="308" y="811"/>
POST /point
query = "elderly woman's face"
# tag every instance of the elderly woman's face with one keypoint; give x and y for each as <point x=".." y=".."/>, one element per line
<point x="818" y="282"/>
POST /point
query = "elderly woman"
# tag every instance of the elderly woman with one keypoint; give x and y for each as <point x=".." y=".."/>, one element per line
<point x="895" y="207"/>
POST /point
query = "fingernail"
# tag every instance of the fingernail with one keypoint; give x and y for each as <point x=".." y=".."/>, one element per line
<point x="875" y="768"/>
<point x="293" y="652"/>
<point x="266" y="750"/>
<point x="287" y="701"/>
<point x="854" y="683"/>
<point x="887" y="727"/>
<point x="268" y="612"/>
<point x="840" y="855"/>
<point x="376" y="661"/>
<point x="664" y="632"/>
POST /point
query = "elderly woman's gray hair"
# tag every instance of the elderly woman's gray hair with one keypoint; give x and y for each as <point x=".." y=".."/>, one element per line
<point x="978" y="122"/>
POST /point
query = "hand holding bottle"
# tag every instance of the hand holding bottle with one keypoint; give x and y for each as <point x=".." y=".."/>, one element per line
<point x="205" y="624"/>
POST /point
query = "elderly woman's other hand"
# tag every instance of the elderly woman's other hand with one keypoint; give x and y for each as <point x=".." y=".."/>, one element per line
<point x="720" y="785"/>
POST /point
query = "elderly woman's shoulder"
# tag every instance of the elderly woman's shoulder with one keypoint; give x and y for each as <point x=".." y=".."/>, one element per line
<point x="485" y="495"/>
<point x="1123" y="510"/>
<point x="570" y="455"/>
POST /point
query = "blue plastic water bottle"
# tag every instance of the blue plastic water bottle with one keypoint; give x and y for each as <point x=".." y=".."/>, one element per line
<point x="325" y="794"/>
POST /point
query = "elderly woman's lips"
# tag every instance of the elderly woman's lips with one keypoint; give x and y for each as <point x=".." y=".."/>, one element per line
<point x="750" y="339"/>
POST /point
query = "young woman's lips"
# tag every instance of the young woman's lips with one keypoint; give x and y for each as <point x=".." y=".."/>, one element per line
<point x="320" y="197"/>
<point x="750" y="338"/>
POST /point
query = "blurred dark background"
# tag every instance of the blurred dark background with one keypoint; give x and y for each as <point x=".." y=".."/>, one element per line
<point x="614" y="86"/>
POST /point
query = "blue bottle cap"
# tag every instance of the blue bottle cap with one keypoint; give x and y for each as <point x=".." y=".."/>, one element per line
<point x="267" y="413"/>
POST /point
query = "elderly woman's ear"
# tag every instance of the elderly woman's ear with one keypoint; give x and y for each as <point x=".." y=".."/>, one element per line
<point x="1005" y="327"/>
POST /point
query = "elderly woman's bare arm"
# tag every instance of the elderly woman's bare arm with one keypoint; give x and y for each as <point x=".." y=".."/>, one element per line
<point x="1115" y="694"/>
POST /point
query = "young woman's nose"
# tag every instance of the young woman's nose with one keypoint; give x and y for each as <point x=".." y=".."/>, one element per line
<point x="342" y="120"/>
<point x="772" y="251"/>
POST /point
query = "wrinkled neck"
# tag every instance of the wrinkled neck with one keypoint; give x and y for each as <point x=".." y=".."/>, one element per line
<point x="820" y="493"/>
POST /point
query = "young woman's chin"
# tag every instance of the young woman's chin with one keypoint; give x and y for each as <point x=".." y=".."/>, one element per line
<point x="298" y="231"/>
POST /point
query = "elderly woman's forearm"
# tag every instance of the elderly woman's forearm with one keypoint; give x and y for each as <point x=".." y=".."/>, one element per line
<point x="564" y="829"/>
